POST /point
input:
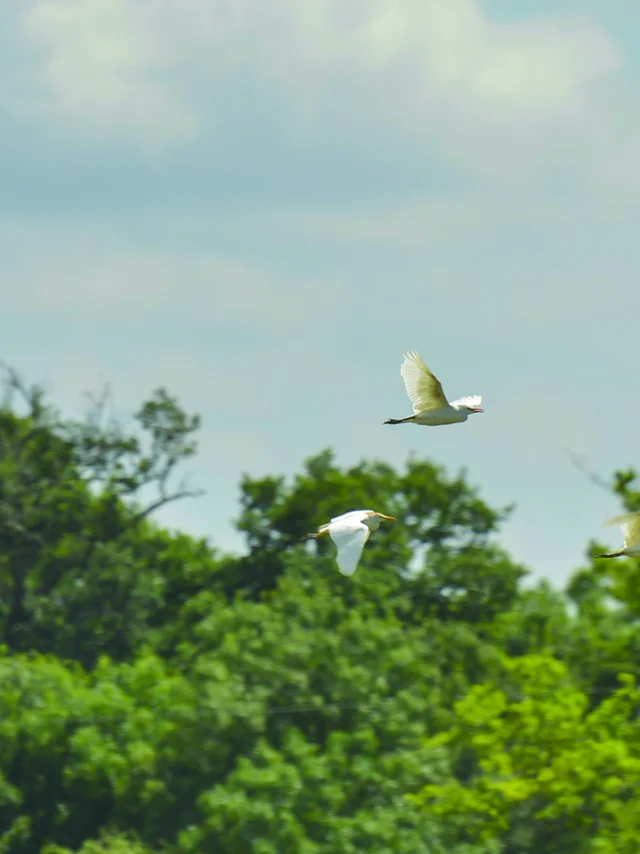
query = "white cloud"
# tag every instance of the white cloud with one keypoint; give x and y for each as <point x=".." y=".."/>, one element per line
<point x="94" y="276"/>
<point x="146" y="283"/>
<point x="156" y="70"/>
<point x="450" y="53"/>
<point x="102" y="70"/>
<point x="121" y="284"/>
<point x="439" y="221"/>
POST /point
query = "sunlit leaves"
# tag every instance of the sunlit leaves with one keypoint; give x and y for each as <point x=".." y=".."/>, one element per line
<point x="531" y="750"/>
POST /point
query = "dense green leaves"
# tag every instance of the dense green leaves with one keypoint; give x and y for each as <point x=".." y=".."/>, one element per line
<point x="529" y="761"/>
<point x="157" y="697"/>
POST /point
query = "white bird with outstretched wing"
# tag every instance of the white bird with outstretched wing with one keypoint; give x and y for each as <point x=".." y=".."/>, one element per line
<point x="350" y="532"/>
<point x="430" y="405"/>
<point x="630" y="525"/>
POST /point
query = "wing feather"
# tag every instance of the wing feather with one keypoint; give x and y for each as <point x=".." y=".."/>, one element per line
<point x="350" y="541"/>
<point x="630" y="524"/>
<point x="423" y="387"/>
<point x="356" y="515"/>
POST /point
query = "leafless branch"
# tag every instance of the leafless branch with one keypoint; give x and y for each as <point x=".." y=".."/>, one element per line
<point x="32" y="396"/>
<point x="579" y="464"/>
<point x="98" y="402"/>
<point x="166" y="499"/>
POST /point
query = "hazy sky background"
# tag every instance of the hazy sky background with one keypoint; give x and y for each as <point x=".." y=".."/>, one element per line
<point x="263" y="204"/>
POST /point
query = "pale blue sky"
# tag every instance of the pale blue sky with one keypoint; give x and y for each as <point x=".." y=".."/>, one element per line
<point x="262" y="205"/>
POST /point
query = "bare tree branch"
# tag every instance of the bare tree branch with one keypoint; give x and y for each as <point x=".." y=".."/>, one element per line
<point x="579" y="464"/>
<point x="32" y="396"/>
<point x="166" y="499"/>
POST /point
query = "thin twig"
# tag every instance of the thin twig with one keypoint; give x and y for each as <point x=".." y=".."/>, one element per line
<point x="160" y="502"/>
<point x="579" y="463"/>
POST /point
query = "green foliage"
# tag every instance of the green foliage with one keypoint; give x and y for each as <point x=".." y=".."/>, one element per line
<point x="108" y="843"/>
<point x="446" y="530"/>
<point x="157" y="697"/>
<point x="530" y="762"/>
<point x="72" y="522"/>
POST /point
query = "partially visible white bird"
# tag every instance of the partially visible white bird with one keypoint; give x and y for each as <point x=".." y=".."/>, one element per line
<point x="430" y="406"/>
<point x="350" y="532"/>
<point x="630" y="524"/>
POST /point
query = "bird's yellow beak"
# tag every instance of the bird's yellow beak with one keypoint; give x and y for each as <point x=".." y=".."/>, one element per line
<point x="389" y="518"/>
<point x="475" y="409"/>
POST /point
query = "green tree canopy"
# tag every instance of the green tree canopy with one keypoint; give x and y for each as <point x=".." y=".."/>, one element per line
<point x="159" y="697"/>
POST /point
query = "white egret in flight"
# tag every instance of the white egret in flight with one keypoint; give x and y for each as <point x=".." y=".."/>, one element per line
<point x="630" y="524"/>
<point x="430" y="406"/>
<point x="350" y="532"/>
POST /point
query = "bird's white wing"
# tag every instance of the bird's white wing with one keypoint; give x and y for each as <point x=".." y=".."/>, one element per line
<point x="630" y="524"/>
<point x="474" y="400"/>
<point x="423" y="387"/>
<point x="355" y="515"/>
<point x="350" y="540"/>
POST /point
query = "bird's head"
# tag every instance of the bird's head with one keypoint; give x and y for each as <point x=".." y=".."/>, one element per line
<point x="374" y="513"/>
<point x="467" y="405"/>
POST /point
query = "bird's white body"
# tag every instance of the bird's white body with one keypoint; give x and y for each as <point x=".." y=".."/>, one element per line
<point x="350" y="532"/>
<point x="430" y="405"/>
<point x="630" y="525"/>
<point x="449" y="414"/>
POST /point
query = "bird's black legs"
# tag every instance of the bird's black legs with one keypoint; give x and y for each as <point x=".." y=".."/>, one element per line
<point x="400" y="420"/>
